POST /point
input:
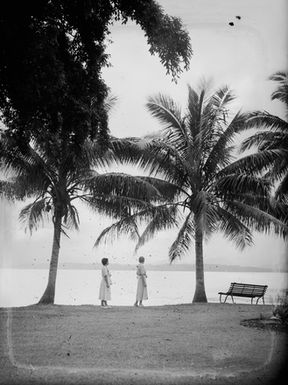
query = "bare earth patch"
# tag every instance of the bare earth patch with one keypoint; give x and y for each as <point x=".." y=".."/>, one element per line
<point x="179" y="344"/>
<point x="267" y="324"/>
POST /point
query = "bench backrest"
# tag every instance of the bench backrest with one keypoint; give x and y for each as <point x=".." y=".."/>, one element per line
<point x="247" y="288"/>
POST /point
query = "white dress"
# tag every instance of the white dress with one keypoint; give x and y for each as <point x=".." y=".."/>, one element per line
<point x="104" y="291"/>
<point x="142" y="293"/>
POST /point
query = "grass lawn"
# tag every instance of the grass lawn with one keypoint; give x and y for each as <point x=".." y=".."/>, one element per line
<point x="179" y="344"/>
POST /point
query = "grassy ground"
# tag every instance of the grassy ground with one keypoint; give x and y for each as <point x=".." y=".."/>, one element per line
<point x="180" y="344"/>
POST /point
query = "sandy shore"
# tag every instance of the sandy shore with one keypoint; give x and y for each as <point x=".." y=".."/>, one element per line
<point x="179" y="344"/>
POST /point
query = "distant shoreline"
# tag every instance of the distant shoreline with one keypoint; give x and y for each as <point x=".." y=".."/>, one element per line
<point x="160" y="267"/>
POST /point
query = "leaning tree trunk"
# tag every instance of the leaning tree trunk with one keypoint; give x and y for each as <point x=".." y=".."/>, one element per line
<point x="49" y="293"/>
<point x="200" y="294"/>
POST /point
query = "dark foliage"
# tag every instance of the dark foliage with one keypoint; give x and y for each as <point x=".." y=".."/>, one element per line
<point x="281" y="310"/>
<point x="52" y="53"/>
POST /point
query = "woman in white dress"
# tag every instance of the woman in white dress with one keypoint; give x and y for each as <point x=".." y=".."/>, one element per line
<point x="142" y="293"/>
<point x="105" y="286"/>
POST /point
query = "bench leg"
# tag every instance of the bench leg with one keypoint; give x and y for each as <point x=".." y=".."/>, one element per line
<point x="227" y="297"/>
<point x="220" y="297"/>
<point x="262" y="300"/>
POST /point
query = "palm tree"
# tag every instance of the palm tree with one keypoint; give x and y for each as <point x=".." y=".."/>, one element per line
<point x="55" y="177"/>
<point x="191" y="163"/>
<point x="272" y="138"/>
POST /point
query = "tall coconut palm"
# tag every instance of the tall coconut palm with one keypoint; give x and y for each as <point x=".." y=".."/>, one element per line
<point x="272" y="138"/>
<point x="56" y="177"/>
<point x="191" y="162"/>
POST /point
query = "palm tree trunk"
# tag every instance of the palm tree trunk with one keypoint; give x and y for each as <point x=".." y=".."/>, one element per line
<point x="49" y="293"/>
<point x="200" y="294"/>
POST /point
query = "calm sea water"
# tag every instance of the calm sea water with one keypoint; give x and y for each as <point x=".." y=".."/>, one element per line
<point x="76" y="287"/>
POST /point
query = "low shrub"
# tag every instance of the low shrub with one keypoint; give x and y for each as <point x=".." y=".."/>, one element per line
<point x="281" y="310"/>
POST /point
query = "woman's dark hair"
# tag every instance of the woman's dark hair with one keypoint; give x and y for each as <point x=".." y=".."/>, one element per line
<point x="104" y="261"/>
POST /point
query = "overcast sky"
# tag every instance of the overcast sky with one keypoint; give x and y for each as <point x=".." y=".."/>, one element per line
<point x="242" y="56"/>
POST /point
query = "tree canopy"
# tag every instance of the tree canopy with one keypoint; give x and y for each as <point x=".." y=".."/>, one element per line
<point x="52" y="54"/>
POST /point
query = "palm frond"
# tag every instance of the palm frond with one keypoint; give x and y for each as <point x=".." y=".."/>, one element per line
<point x="265" y="120"/>
<point x="71" y="218"/>
<point x="64" y="232"/>
<point x="164" y="218"/>
<point x="160" y="158"/>
<point x="184" y="239"/>
<point x="153" y="155"/>
<point x="125" y="150"/>
<point x="126" y="226"/>
<point x="210" y="218"/>
<point x="193" y="110"/>
<point x="255" y="218"/>
<point x="167" y="189"/>
<point x="116" y="207"/>
<point x="282" y="188"/>
<point x="279" y="169"/>
<point x="31" y="173"/>
<point x="220" y="154"/>
<point x="216" y="107"/>
<point x="279" y="209"/>
<point x="242" y="183"/>
<point x="168" y="113"/>
<point x="32" y="183"/>
<point x="129" y="222"/>
<point x="256" y="140"/>
<point x="11" y="190"/>
<point x="196" y="105"/>
<point x="279" y="76"/>
<point x="210" y="123"/>
<point x="123" y="185"/>
<point x="281" y="93"/>
<point x="11" y="156"/>
<point x="234" y="229"/>
<point x="110" y="102"/>
<point x="92" y="156"/>
<point x="165" y="110"/>
<point x="32" y="214"/>
<point x="253" y="164"/>
<point x="194" y="119"/>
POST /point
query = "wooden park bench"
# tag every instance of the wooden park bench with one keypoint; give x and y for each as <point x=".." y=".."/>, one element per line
<point x="245" y="290"/>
